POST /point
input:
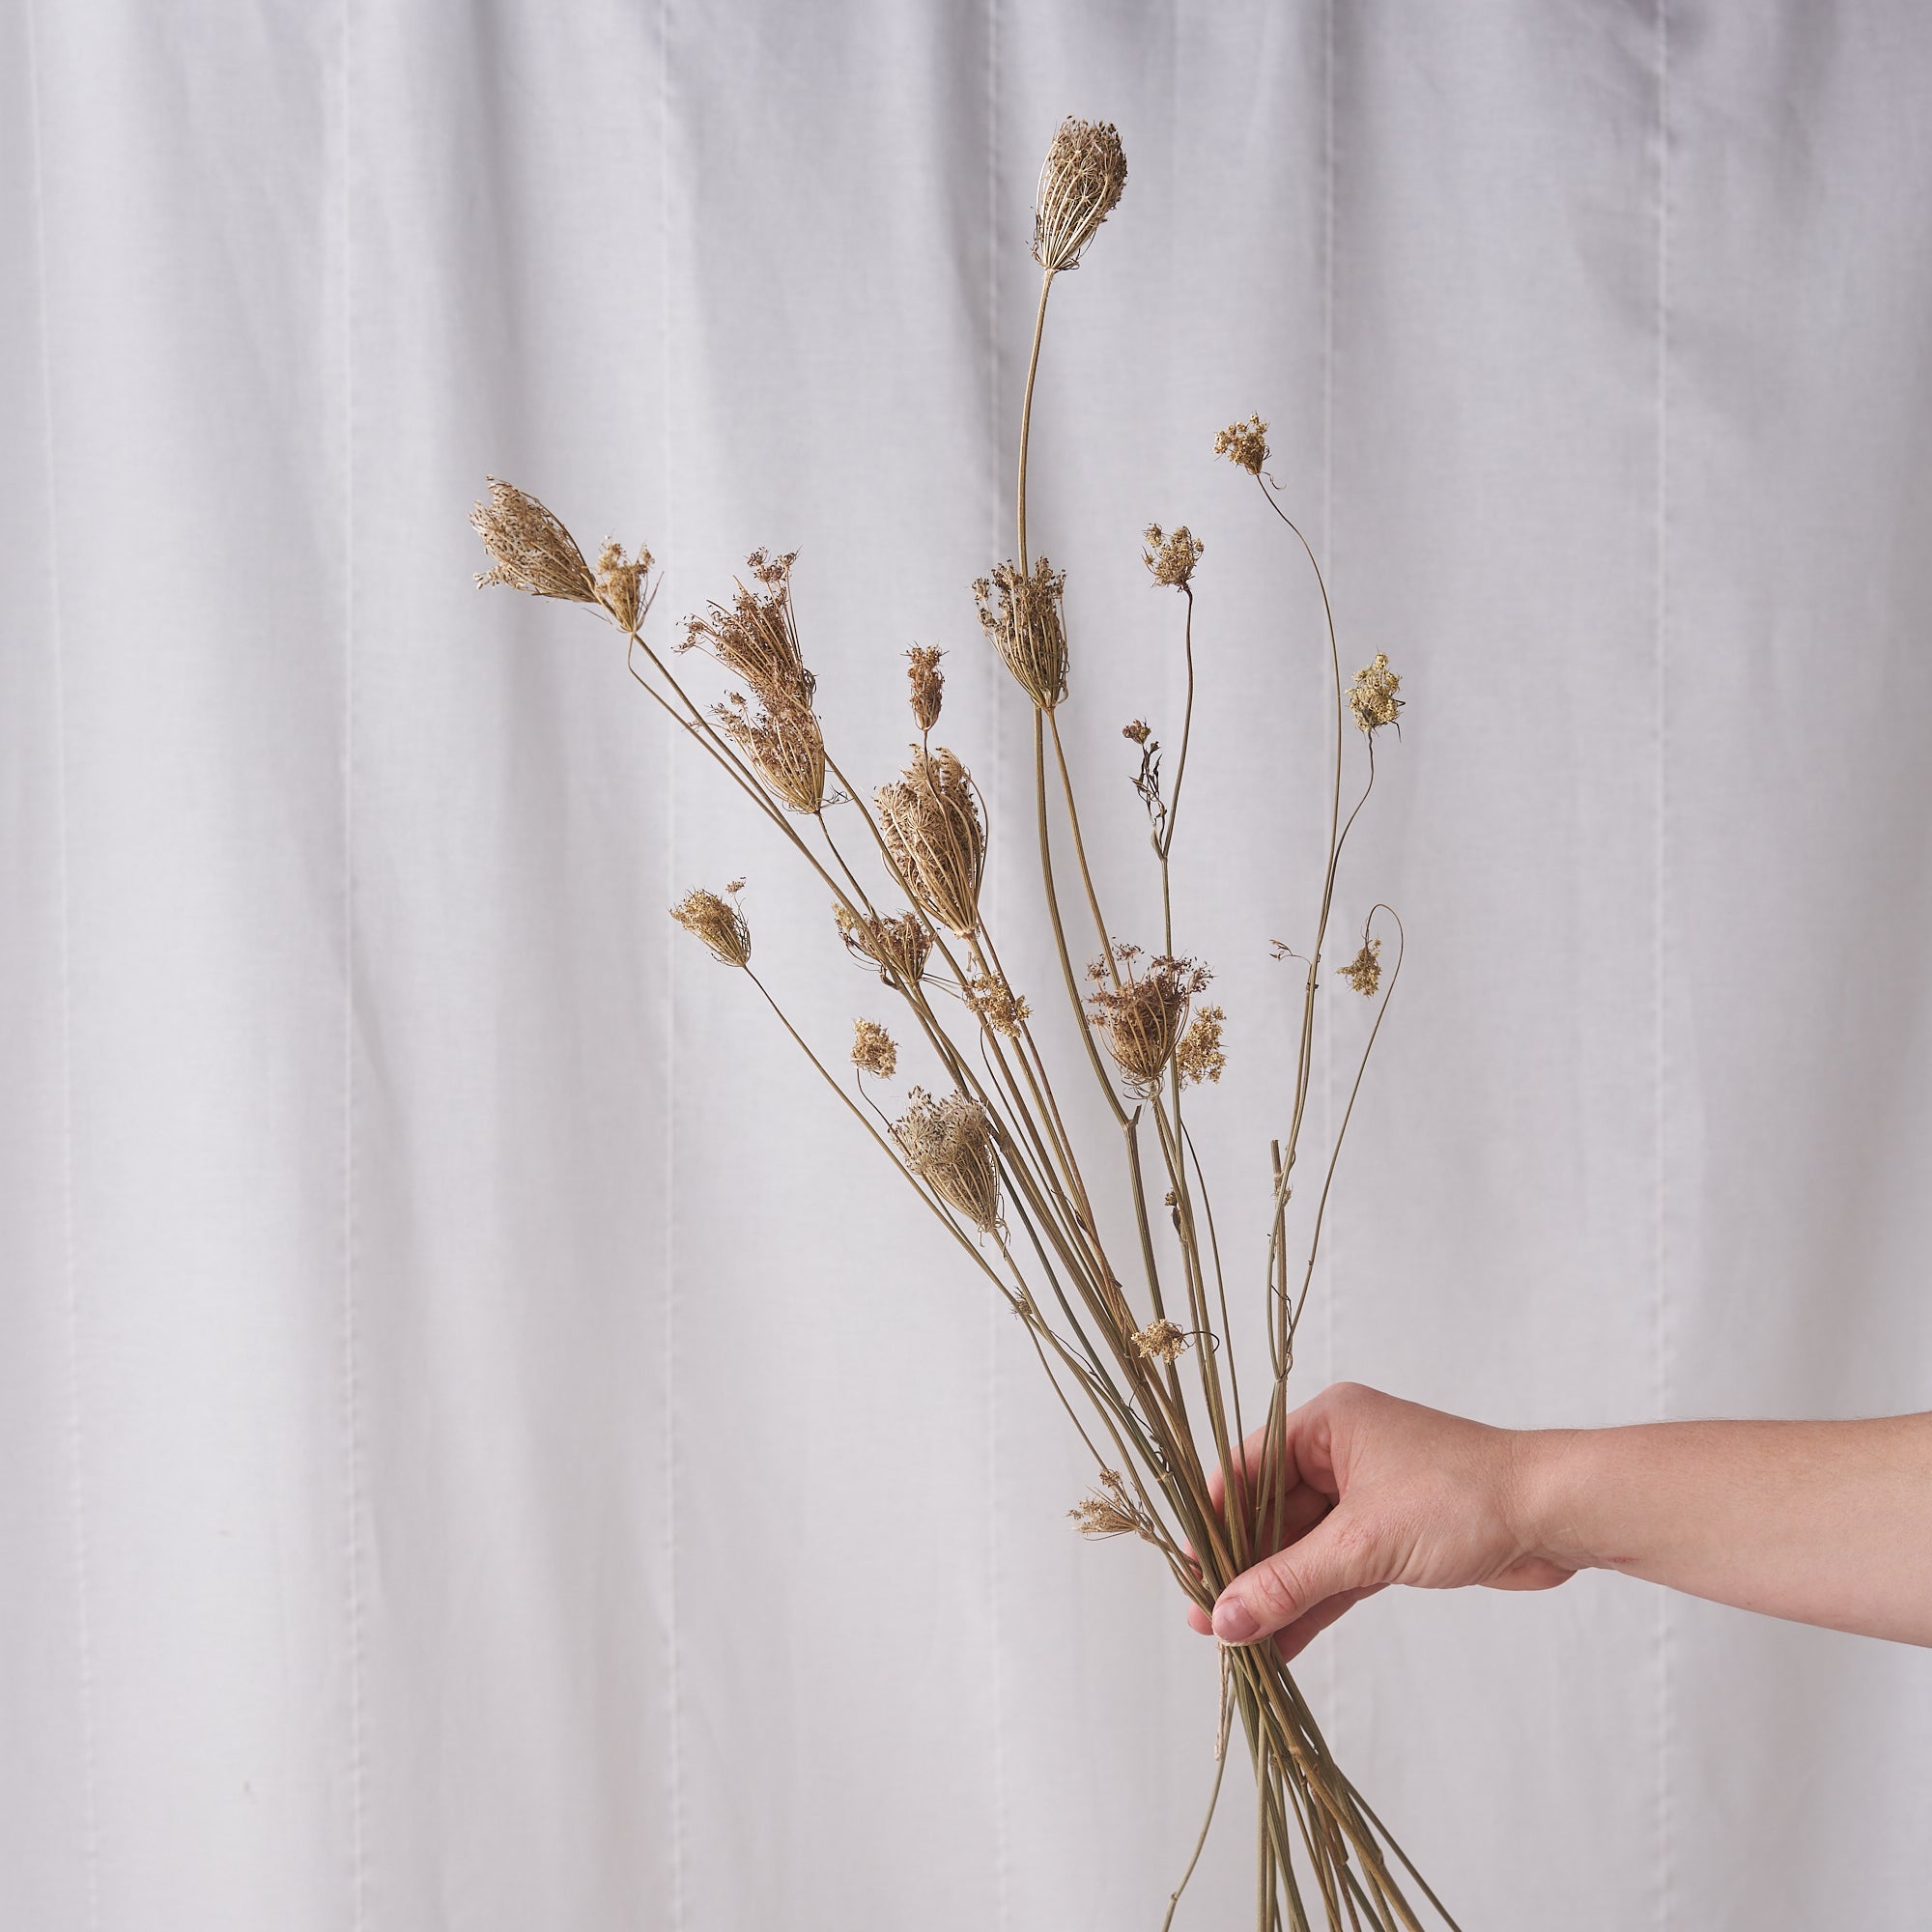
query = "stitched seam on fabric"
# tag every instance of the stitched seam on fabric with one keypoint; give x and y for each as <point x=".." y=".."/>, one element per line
<point x="90" y="1810"/>
<point x="351" y="1390"/>
<point x="1001" y="1846"/>
<point x="1661" y="1299"/>
<point x="673" y="1660"/>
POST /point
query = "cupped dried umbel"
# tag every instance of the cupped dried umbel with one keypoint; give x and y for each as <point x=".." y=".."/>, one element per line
<point x="949" y="1144"/>
<point x="928" y="684"/>
<point x="1020" y="612"/>
<point x="529" y="549"/>
<point x="757" y="635"/>
<point x="934" y="833"/>
<point x="783" y="741"/>
<point x="1171" y="555"/>
<point x="1080" y="185"/>
<point x="717" y="922"/>
<point x="1244" y="445"/>
<point x="1372" y="698"/>
<point x="896" y="945"/>
<point x="1141" y="1018"/>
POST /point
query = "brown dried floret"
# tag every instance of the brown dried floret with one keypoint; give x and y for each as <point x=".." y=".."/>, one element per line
<point x="1142" y="1017"/>
<point x="1080" y="185"/>
<point x="758" y="636"/>
<point x="1245" y="444"/>
<point x="996" y="1005"/>
<point x="949" y="1144"/>
<point x="1171" y="554"/>
<point x="529" y="549"/>
<point x="935" y="836"/>
<point x="897" y="946"/>
<point x="928" y="684"/>
<point x="622" y="585"/>
<point x="1160" y="1341"/>
<point x="1200" y="1056"/>
<point x="1021" y="613"/>
<point x="1372" y="697"/>
<point x="1109" y="1510"/>
<point x="784" y="743"/>
<point x="717" y="922"/>
<point x="873" y="1050"/>
<point x="1364" y="972"/>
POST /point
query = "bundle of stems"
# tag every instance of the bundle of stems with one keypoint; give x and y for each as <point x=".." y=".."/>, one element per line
<point x="1132" y="1326"/>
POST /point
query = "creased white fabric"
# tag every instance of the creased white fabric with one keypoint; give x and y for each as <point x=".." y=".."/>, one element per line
<point x="479" y="1449"/>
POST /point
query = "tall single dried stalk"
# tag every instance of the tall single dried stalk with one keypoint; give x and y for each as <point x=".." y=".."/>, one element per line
<point x="1130" y="1323"/>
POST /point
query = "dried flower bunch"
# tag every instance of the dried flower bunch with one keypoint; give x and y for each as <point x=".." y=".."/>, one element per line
<point x="1131" y="1321"/>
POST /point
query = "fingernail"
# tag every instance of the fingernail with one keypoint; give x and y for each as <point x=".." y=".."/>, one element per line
<point x="1234" y="1621"/>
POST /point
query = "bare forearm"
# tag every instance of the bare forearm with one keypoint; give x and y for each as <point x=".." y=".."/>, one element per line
<point x="1822" y="1523"/>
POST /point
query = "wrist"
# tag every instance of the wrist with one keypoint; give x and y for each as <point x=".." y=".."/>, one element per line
<point x="1552" y="1488"/>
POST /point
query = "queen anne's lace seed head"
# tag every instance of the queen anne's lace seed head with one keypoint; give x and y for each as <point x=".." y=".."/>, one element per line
<point x="1020" y="612"/>
<point x="1372" y="698"/>
<point x="949" y="1144"/>
<point x="622" y="585"/>
<point x="1080" y="185"/>
<point x="717" y="922"/>
<point x="1199" y="1056"/>
<point x="897" y="946"/>
<point x="1141" y="1018"/>
<point x="873" y="1050"/>
<point x="995" y="1005"/>
<point x="1172" y="555"/>
<point x="529" y="549"/>
<point x="756" y="636"/>
<point x="783" y="740"/>
<point x="1364" y="972"/>
<point x="1160" y="1341"/>
<point x="935" y="836"/>
<point x="1245" y="444"/>
<point x="927" y="682"/>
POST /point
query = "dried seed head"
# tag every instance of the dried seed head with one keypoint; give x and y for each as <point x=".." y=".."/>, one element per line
<point x="1108" y="1510"/>
<point x="1245" y="444"/>
<point x="529" y="549"/>
<point x="996" y="1005"/>
<point x="1141" y="1019"/>
<point x="784" y="743"/>
<point x="873" y="1050"/>
<point x="1079" y="187"/>
<point x="758" y="636"/>
<point x="1172" y="556"/>
<point x="1160" y="1341"/>
<point x="897" y="947"/>
<point x="949" y="1144"/>
<point x="1138" y="731"/>
<point x="1200" y="1056"/>
<point x="1372" y="697"/>
<point x="928" y="684"/>
<point x="622" y="585"/>
<point x="935" y="836"/>
<point x="717" y="922"/>
<point x="1364" y="972"/>
<point x="1022" y="615"/>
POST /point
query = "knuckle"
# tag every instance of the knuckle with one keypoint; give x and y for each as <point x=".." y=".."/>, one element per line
<point x="1276" y="1591"/>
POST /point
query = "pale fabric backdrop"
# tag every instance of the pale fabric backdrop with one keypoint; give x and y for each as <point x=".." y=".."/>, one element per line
<point x="479" y="1446"/>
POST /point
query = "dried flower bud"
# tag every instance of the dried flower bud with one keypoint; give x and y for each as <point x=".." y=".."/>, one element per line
<point x="758" y="636"/>
<point x="1364" y="972"/>
<point x="1141" y="1019"/>
<point x="928" y="684"/>
<point x="898" y="947"/>
<point x="1245" y="444"/>
<point x="1022" y="615"/>
<point x="717" y="922"/>
<point x="1138" y="731"/>
<point x="935" y="836"/>
<point x="621" y="584"/>
<point x="1172" y="558"/>
<point x="996" y="1005"/>
<point x="1079" y="187"/>
<point x="1372" y="697"/>
<point x="1160" y="1342"/>
<point x="949" y="1144"/>
<point x="529" y="549"/>
<point x="1199" y="1056"/>
<point x="872" y="1049"/>
<point x="784" y="744"/>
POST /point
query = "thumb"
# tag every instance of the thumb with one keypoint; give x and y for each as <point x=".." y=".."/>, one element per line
<point x="1339" y="1554"/>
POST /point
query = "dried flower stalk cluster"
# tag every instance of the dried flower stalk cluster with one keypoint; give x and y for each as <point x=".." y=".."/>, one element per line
<point x="1131" y="1325"/>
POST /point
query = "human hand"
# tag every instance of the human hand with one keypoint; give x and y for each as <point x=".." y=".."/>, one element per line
<point x="1383" y="1491"/>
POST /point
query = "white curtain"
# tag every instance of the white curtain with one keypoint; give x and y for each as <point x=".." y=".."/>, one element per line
<point x="479" y="1446"/>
